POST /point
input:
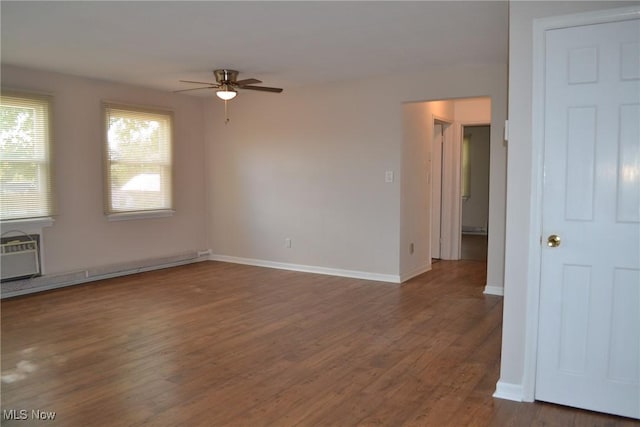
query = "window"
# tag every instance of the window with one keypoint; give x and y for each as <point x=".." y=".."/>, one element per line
<point x="138" y="160"/>
<point x="25" y="163"/>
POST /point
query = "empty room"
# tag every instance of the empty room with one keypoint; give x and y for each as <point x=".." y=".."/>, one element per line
<point x="259" y="213"/>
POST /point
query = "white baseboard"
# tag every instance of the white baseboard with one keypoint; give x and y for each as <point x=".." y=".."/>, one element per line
<point x="477" y="231"/>
<point x="418" y="271"/>
<point x="391" y="278"/>
<point x="494" y="290"/>
<point x="49" y="282"/>
<point x="509" y="391"/>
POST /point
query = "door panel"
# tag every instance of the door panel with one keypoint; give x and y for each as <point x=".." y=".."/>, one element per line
<point x="624" y="351"/>
<point x="628" y="194"/>
<point x="574" y="318"/>
<point x="580" y="163"/>
<point x="589" y="320"/>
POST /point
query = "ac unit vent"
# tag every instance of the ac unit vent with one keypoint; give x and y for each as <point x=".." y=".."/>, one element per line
<point x="19" y="258"/>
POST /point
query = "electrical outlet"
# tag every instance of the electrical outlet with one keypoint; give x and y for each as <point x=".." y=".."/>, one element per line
<point x="411" y="248"/>
<point x="388" y="176"/>
<point x="287" y="242"/>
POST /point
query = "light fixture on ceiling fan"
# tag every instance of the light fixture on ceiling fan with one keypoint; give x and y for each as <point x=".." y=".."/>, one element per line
<point x="226" y="93"/>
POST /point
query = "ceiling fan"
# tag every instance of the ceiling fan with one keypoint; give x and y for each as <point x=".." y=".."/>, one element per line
<point x="226" y="84"/>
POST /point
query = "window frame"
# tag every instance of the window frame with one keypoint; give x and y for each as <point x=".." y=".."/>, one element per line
<point x="117" y="215"/>
<point x="49" y="202"/>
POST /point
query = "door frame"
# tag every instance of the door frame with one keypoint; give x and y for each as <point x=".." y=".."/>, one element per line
<point x="540" y="27"/>
<point x="432" y="187"/>
<point x="451" y="204"/>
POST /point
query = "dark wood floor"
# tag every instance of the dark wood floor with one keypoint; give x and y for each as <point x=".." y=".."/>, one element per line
<point x="217" y="344"/>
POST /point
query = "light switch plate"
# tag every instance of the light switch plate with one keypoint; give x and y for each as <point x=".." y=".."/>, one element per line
<point x="388" y="176"/>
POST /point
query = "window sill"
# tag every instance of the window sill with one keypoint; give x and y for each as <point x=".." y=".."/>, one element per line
<point x="126" y="216"/>
<point x="29" y="226"/>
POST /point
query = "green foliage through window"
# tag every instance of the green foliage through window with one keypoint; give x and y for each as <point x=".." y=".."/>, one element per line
<point x="25" y="182"/>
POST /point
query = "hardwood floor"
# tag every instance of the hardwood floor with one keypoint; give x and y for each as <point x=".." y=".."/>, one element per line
<point x="217" y="344"/>
<point x="474" y="247"/>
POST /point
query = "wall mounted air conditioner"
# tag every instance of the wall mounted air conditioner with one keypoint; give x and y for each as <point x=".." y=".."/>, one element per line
<point x="19" y="259"/>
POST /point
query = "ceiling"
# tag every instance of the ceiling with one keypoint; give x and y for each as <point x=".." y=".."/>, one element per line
<point x="285" y="44"/>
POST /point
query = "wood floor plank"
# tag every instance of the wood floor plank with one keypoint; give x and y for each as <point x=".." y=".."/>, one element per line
<point x="222" y="344"/>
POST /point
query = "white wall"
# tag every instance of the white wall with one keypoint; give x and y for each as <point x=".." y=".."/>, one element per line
<point x="81" y="236"/>
<point x="520" y="164"/>
<point x="309" y="164"/>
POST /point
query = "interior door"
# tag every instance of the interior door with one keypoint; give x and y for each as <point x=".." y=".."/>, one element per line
<point x="436" y="190"/>
<point x="589" y="319"/>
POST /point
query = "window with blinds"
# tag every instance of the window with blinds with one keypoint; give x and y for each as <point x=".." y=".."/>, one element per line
<point x="25" y="163"/>
<point x="138" y="164"/>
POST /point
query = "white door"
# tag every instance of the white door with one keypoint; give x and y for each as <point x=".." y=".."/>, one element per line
<point x="589" y="319"/>
<point x="436" y="189"/>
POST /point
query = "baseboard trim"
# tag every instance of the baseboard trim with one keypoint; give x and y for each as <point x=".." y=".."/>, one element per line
<point x="354" y="274"/>
<point x="418" y="271"/>
<point x="509" y="391"/>
<point x="50" y="282"/>
<point x="494" y="290"/>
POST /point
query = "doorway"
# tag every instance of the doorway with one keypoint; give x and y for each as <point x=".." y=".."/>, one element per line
<point x="448" y="204"/>
<point x="431" y="194"/>
<point x="475" y="191"/>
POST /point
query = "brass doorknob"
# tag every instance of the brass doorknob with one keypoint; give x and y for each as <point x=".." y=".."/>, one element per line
<point x="553" y="241"/>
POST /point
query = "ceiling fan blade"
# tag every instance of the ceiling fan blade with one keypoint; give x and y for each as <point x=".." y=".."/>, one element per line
<point x="196" y="88"/>
<point x="201" y="83"/>
<point x="247" y="82"/>
<point x="263" y="88"/>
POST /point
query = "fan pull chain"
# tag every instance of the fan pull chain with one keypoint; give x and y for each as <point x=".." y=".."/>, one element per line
<point x="226" y="113"/>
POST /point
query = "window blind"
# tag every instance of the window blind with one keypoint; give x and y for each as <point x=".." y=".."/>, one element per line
<point x="25" y="164"/>
<point x="138" y="164"/>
